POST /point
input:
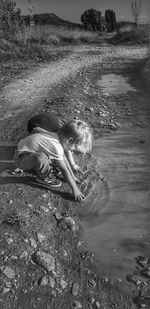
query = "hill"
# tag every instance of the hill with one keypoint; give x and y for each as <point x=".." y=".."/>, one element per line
<point x="49" y="19"/>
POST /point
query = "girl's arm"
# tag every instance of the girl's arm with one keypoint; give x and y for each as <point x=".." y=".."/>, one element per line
<point x="62" y="164"/>
<point x="70" y="158"/>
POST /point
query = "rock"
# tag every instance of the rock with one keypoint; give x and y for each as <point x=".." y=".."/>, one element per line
<point x="68" y="222"/>
<point x="77" y="305"/>
<point x="33" y="243"/>
<point x="7" y="271"/>
<point x="30" y="206"/>
<point x="134" y="279"/>
<point x="46" y="260"/>
<point x="23" y="255"/>
<point x="40" y="237"/>
<point x="9" y="240"/>
<point x="44" y="209"/>
<point x="63" y="283"/>
<point x="44" y="195"/>
<point x="14" y="257"/>
<point x="5" y="290"/>
<point x="51" y="282"/>
<point x="142" y="261"/>
<point x="2" y="252"/>
<point x="79" y="244"/>
<point x="92" y="300"/>
<point x="54" y="273"/>
<point x="145" y="272"/>
<point x="75" y="289"/>
<point x="53" y="294"/>
<point x="90" y="109"/>
<point x="44" y="281"/>
<point x="97" y="304"/>
<point x="59" y="269"/>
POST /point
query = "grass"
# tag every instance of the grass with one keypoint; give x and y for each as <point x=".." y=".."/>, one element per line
<point x="28" y="44"/>
<point x="58" y="35"/>
<point x="132" y="35"/>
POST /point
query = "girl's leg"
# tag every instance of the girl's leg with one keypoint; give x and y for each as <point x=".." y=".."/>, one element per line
<point x="37" y="162"/>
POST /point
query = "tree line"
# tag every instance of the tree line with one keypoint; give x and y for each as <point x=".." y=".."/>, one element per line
<point x="11" y="18"/>
<point x="93" y="20"/>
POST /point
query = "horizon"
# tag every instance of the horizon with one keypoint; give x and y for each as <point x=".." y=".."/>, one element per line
<point x="71" y="11"/>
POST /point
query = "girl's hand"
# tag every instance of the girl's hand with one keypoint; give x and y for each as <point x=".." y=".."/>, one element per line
<point x="78" y="195"/>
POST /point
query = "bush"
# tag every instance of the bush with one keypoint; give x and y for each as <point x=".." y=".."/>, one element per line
<point x="136" y="35"/>
<point x="10" y="19"/>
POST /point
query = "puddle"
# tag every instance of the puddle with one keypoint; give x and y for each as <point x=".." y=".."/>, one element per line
<point x="115" y="217"/>
<point x="114" y="84"/>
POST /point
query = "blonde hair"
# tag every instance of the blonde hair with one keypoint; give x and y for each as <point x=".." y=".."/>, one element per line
<point x="80" y="132"/>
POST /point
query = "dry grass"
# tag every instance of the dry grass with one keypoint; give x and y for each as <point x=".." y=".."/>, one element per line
<point x="57" y="35"/>
<point x="27" y="43"/>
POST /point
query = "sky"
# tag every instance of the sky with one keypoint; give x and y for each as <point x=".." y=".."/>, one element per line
<point x="72" y="9"/>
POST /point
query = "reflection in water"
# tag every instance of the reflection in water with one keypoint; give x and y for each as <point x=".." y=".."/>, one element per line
<point x="115" y="84"/>
<point x="115" y="216"/>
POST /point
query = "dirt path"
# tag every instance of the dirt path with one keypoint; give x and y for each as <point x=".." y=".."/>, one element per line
<point x="31" y="89"/>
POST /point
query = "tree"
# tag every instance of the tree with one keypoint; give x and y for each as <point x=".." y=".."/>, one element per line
<point x="10" y="18"/>
<point x="136" y="9"/>
<point x="110" y="18"/>
<point x="92" y="20"/>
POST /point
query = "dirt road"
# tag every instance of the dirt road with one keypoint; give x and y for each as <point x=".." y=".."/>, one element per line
<point x="25" y="94"/>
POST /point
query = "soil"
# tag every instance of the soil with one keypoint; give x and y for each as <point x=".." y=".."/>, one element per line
<point x="36" y="218"/>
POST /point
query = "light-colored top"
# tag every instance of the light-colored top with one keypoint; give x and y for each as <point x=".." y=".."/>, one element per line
<point x="38" y="142"/>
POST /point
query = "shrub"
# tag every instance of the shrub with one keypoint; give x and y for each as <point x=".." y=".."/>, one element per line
<point x="10" y="18"/>
<point x="136" y="35"/>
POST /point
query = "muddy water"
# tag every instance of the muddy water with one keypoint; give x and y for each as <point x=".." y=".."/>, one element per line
<point x="114" y="84"/>
<point x="115" y="216"/>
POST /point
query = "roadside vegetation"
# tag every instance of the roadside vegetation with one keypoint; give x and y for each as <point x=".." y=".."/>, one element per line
<point x="132" y="34"/>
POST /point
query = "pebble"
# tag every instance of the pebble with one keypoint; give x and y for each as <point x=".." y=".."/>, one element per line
<point x="77" y="305"/>
<point x="2" y="252"/>
<point x="71" y="223"/>
<point x="142" y="261"/>
<point x="23" y="255"/>
<point x="79" y="244"/>
<point x="46" y="260"/>
<point x="44" y="195"/>
<point x="44" y="209"/>
<point x="33" y="243"/>
<point x="44" y="281"/>
<point x="9" y="240"/>
<point x="51" y="282"/>
<point x="146" y="273"/>
<point x="63" y="284"/>
<point x="92" y="300"/>
<point x="53" y="294"/>
<point x="30" y="206"/>
<point x="97" y="304"/>
<point x="41" y="237"/>
<point x="14" y="257"/>
<point x="5" y="290"/>
<point x="65" y="253"/>
<point x="7" y="271"/>
<point x="75" y="289"/>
